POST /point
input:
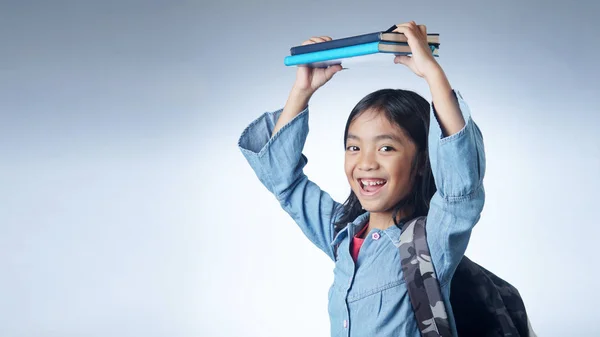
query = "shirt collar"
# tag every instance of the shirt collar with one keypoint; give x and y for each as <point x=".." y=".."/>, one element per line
<point x="351" y="228"/>
<point x="392" y="232"/>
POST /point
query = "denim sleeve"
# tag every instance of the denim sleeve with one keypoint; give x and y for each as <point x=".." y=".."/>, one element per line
<point x="278" y="162"/>
<point x="458" y="165"/>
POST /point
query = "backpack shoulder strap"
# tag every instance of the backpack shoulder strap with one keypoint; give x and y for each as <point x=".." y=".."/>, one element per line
<point x="421" y="281"/>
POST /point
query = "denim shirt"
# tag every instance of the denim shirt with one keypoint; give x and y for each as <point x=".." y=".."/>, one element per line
<point x="369" y="297"/>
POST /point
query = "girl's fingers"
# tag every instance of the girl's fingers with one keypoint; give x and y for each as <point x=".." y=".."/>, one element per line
<point x="410" y="24"/>
<point x="413" y="25"/>
<point x="406" y="30"/>
<point x="317" y="39"/>
<point x="330" y="71"/>
<point x="402" y="59"/>
<point x="411" y="29"/>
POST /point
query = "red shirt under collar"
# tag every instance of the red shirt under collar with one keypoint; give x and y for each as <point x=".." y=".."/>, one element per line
<point x="357" y="242"/>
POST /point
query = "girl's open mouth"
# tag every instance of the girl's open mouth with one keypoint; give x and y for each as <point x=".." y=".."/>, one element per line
<point x="371" y="186"/>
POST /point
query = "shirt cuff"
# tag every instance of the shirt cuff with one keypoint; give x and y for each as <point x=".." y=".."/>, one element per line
<point x="277" y="159"/>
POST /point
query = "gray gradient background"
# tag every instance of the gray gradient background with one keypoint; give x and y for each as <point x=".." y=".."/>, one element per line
<point x="126" y="208"/>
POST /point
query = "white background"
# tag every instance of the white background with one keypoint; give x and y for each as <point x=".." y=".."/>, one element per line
<point x="126" y="208"/>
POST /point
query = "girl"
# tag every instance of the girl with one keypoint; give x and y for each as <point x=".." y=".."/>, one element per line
<point x="403" y="159"/>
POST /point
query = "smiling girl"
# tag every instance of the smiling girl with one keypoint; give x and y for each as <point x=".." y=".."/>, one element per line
<point x="404" y="158"/>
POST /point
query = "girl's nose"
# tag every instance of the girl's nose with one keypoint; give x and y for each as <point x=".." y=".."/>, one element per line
<point x="367" y="162"/>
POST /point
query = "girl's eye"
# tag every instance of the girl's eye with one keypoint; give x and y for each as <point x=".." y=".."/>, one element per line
<point x="386" y="149"/>
<point x="352" y="148"/>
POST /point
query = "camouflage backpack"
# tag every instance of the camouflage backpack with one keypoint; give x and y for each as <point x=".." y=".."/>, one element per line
<point x="483" y="304"/>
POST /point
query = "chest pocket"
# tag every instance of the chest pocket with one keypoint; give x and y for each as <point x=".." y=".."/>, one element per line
<point x="357" y="294"/>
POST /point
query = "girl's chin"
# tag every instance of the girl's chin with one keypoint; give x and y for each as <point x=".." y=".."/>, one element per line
<point x="373" y="207"/>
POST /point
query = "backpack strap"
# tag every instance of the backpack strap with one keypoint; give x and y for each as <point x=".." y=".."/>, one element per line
<point x="421" y="281"/>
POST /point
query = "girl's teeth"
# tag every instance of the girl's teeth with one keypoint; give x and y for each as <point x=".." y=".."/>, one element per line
<point x="373" y="183"/>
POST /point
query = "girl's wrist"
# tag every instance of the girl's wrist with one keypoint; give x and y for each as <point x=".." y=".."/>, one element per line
<point x="298" y="99"/>
<point x="438" y="82"/>
<point x="435" y="74"/>
<point x="301" y="94"/>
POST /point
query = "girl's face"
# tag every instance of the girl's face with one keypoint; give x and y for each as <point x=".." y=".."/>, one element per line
<point x="378" y="161"/>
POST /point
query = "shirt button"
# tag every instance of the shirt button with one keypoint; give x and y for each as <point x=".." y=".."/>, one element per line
<point x="375" y="236"/>
<point x="345" y="324"/>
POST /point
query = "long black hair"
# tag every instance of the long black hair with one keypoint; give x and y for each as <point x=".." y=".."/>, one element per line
<point x="410" y="111"/>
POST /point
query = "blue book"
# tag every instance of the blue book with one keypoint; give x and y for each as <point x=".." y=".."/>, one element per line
<point x="384" y="36"/>
<point x="329" y="57"/>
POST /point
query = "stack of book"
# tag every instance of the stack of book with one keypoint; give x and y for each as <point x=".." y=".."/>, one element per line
<point x="363" y="46"/>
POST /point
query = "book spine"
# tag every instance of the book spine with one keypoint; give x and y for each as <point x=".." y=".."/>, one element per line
<point x="339" y="43"/>
<point x="332" y="54"/>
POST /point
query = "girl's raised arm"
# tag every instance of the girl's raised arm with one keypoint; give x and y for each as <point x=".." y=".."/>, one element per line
<point x="273" y="146"/>
<point x="424" y="65"/>
<point x="308" y="80"/>
<point x="457" y="157"/>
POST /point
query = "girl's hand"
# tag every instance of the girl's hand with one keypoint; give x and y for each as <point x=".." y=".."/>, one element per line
<point x="308" y="80"/>
<point x="422" y="61"/>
